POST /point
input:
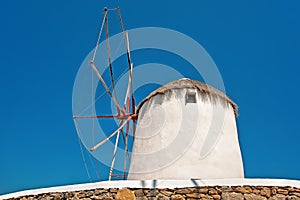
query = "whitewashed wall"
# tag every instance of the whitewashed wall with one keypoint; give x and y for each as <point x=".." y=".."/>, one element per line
<point x="179" y="140"/>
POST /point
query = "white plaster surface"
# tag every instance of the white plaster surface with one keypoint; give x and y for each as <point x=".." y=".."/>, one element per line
<point x="179" y="140"/>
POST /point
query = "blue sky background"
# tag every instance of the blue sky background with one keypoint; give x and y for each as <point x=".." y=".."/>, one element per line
<point x="255" y="45"/>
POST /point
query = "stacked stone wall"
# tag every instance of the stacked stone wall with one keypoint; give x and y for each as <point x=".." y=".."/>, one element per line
<point x="190" y="193"/>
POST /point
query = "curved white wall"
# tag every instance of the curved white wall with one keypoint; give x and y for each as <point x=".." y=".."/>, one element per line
<point x="179" y="140"/>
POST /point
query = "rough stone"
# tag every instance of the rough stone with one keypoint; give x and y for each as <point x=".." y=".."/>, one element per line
<point x="254" y="197"/>
<point x="193" y="195"/>
<point x="152" y="193"/>
<point x="139" y="193"/>
<point x="296" y="194"/>
<point x="278" y="197"/>
<point x="141" y="198"/>
<point x="89" y="193"/>
<point x="233" y="195"/>
<point x="48" y="198"/>
<point x="202" y="190"/>
<point x="293" y="198"/>
<point x="244" y="190"/>
<point x="113" y="190"/>
<point x="104" y="196"/>
<point x="99" y="191"/>
<point x="259" y="187"/>
<point x="125" y="194"/>
<point x="207" y="198"/>
<point x="56" y="196"/>
<point x="177" y="197"/>
<point x="291" y="189"/>
<point x="265" y="192"/>
<point x="152" y="198"/>
<point x="248" y="188"/>
<point x="273" y="191"/>
<point x="212" y="191"/>
<point x="282" y="191"/>
<point x="69" y="195"/>
<point x="256" y="191"/>
<point x="166" y="193"/>
<point x="226" y="189"/>
<point x="219" y="190"/>
<point x="184" y="191"/>
<point x="216" y="197"/>
<point x="162" y="197"/>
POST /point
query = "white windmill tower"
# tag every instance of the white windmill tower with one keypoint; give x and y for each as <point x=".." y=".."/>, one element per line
<point x="186" y="129"/>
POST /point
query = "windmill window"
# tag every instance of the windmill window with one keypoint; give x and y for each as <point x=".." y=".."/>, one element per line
<point x="191" y="97"/>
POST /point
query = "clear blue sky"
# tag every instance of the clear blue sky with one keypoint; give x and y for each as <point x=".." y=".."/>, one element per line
<point x="255" y="45"/>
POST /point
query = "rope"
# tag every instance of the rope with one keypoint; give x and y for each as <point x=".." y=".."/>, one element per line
<point x="94" y="165"/>
<point x="108" y="54"/>
<point x="99" y="36"/>
<point x="82" y="154"/>
<point x="125" y="40"/>
<point x="93" y="111"/>
<point x="92" y="160"/>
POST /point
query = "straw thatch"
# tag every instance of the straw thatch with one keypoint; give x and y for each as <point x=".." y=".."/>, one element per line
<point x="203" y="88"/>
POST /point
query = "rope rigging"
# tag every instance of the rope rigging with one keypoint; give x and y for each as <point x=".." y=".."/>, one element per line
<point x="125" y="38"/>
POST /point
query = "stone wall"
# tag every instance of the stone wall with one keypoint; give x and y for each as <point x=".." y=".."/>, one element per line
<point x="191" y="193"/>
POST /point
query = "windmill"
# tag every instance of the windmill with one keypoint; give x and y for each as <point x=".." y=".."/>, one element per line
<point x="186" y="129"/>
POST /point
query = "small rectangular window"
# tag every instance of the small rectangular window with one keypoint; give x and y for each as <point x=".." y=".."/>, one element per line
<point x="191" y="97"/>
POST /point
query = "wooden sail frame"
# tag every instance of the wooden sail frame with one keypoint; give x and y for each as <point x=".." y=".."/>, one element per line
<point x="125" y="113"/>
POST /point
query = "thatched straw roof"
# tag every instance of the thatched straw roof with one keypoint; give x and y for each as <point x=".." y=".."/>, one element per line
<point x="203" y="88"/>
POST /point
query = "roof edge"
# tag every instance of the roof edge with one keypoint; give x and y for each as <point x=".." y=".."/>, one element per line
<point x="203" y="88"/>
